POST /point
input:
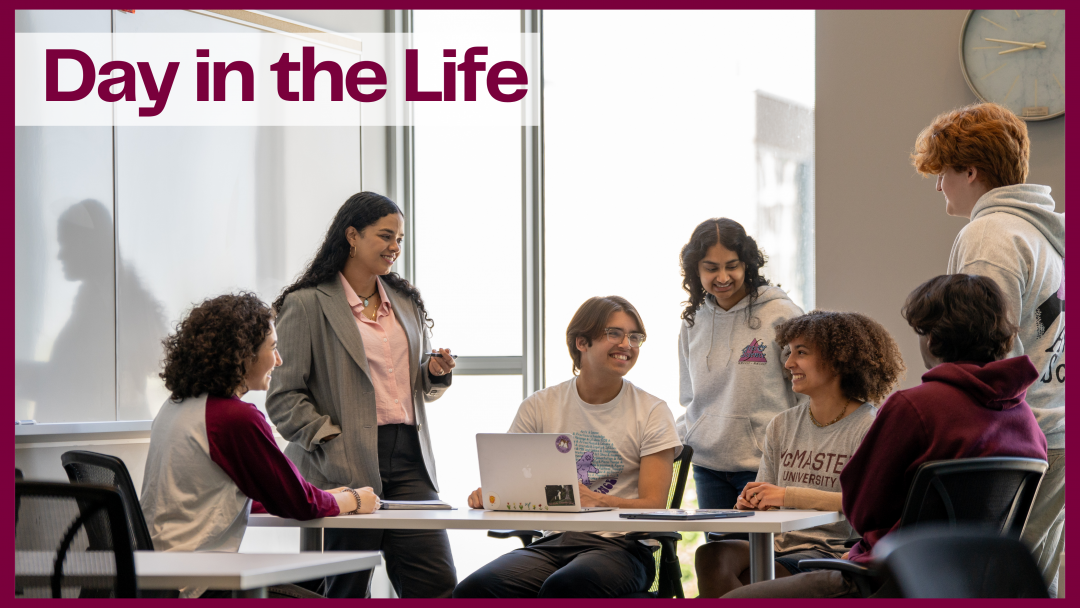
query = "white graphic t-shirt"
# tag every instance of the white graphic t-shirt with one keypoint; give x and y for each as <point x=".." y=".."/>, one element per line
<point x="609" y="439"/>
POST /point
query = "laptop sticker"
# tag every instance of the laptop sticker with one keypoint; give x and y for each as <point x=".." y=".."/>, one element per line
<point x="492" y="500"/>
<point x="563" y="444"/>
<point x="560" y="496"/>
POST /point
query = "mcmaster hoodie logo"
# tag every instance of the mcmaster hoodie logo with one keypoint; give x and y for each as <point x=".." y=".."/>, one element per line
<point x="754" y="353"/>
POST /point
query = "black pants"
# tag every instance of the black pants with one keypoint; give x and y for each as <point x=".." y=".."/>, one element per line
<point x="571" y="564"/>
<point x="418" y="562"/>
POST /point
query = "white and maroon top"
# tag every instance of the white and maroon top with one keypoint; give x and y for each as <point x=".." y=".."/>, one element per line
<point x="209" y="458"/>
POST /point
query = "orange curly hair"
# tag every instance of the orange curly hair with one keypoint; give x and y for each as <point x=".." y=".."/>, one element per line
<point x="986" y="136"/>
<point x="855" y="346"/>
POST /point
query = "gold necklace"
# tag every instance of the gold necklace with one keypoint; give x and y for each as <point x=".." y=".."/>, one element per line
<point x="834" y="420"/>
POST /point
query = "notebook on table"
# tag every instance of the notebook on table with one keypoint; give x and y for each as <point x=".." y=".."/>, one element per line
<point x="529" y="472"/>
<point x="686" y="515"/>
<point x="408" y="505"/>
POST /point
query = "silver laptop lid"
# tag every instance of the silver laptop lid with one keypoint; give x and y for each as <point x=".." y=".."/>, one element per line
<point x="528" y="472"/>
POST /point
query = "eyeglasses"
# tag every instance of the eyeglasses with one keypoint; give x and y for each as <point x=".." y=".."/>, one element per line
<point x="616" y="335"/>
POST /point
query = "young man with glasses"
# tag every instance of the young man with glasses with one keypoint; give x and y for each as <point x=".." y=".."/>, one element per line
<point x="625" y="443"/>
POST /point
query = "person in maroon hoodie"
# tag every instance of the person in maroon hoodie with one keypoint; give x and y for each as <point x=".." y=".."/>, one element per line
<point x="969" y="405"/>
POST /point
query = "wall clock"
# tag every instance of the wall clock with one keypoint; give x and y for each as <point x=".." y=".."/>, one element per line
<point x="1017" y="59"/>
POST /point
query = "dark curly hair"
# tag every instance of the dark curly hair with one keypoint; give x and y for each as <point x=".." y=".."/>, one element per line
<point x="210" y="349"/>
<point x="855" y="346"/>
<point x="965" y="315"/>
<point x="360" y="211"/>
<point x="733" y="237"/>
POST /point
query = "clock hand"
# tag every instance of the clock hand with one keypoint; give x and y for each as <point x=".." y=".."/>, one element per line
<point x="1040" y="45"/>
<point x="1020" y="49"/>
<point x="1024" y="48"/>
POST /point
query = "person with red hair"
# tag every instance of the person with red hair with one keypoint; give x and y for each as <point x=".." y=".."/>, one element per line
<point x="979" y="155"/>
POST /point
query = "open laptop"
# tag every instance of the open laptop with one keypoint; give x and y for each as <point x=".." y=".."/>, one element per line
<point x="529" y="472"/>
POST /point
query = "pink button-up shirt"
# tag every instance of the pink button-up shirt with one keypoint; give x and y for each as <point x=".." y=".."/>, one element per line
<point x="387" y="351"/>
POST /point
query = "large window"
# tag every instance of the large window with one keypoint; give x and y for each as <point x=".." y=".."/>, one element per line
<point x="654" y="122"/>
<point x="468" y="261"/>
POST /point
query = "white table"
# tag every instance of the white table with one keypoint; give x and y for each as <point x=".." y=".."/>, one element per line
<point x="246" y="574"/>
<point x="761" y="526"/>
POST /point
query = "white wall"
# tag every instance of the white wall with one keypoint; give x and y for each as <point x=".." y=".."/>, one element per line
<point x="881" y="228"/>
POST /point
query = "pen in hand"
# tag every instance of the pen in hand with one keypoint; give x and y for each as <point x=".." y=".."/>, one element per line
<point x="438" y="354"/>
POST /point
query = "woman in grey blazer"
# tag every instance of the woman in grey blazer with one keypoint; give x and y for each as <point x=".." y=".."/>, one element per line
<point x="350" y="421"/>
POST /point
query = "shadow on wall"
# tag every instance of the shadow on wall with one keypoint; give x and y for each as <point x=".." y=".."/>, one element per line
<point x="72" y="376"/>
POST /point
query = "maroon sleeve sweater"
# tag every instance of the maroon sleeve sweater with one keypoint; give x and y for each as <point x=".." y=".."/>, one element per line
<point x="961" y="410"/>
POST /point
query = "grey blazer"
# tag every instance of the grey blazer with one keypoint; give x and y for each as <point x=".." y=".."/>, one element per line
<point x="324" y="387"/>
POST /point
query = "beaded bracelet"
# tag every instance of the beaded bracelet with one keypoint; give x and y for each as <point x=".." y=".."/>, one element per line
<point x="356" y="495"/>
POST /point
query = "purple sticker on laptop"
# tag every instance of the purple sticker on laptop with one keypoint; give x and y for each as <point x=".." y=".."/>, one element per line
<point x="563" y="444"/>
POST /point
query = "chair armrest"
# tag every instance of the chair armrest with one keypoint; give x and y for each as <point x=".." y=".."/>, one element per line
<point x="715" y="536"/>
<point x="525" y="536"/>
<point x="867" y="579"/>
<point x="843" y="565"/>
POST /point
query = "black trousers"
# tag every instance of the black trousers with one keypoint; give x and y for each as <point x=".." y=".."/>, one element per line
<point x="570" y="564"/>
<point x="418" y="562"/>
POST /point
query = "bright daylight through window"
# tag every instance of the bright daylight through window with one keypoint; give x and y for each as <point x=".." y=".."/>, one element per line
<point x="628" y="173"/>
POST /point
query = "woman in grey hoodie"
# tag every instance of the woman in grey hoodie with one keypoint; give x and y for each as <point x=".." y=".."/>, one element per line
<point x="731" y="376"/>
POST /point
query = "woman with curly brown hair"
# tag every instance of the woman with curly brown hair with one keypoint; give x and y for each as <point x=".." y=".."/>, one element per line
<point x="351" y="396"/>
<point x="731" y="375"/>
<point x="844" y="362"/>
<point x="211" y="454"/>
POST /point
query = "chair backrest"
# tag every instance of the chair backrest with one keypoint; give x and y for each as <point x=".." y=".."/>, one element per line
<point x="940" y="561"/>
<point x="680" y="469"/>
<point x="993" y="492"/>
<point x="72" y="541"/>
<point x="102" y="469"/>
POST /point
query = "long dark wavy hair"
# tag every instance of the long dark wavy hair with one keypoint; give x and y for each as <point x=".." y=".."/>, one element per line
<point x="209" y="350"/>
<point x="732" y="236"/>
<point x="360" y="211"/>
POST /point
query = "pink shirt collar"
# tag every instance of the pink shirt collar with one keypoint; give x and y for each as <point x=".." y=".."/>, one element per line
<point x="357" y="305"/>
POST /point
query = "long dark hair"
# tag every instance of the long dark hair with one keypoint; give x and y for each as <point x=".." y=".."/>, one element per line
<point x="732" y="236"/>
<point x="360" y="211"/>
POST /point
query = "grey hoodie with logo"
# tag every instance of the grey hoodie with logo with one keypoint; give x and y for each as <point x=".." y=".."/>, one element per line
<point x="732" y="380"/>
<point x="1016" y="239"/>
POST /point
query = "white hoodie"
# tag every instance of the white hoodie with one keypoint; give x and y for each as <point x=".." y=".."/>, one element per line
<point x="732" y="380"/>
<point x="1016" y="239"/>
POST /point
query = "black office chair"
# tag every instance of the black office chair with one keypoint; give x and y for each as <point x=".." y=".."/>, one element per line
<point x="995" y="493"/>
<point x="91" y="467"/>
<point x="72" y="541"/>
<point x="102" y="469"/>
<point x="668" y="580"/>
<point x="940" y="561"/>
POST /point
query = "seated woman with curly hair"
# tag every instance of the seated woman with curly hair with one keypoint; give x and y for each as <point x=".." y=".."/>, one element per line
<point x="844" y="362"/>
<point x="212" y="454"/>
